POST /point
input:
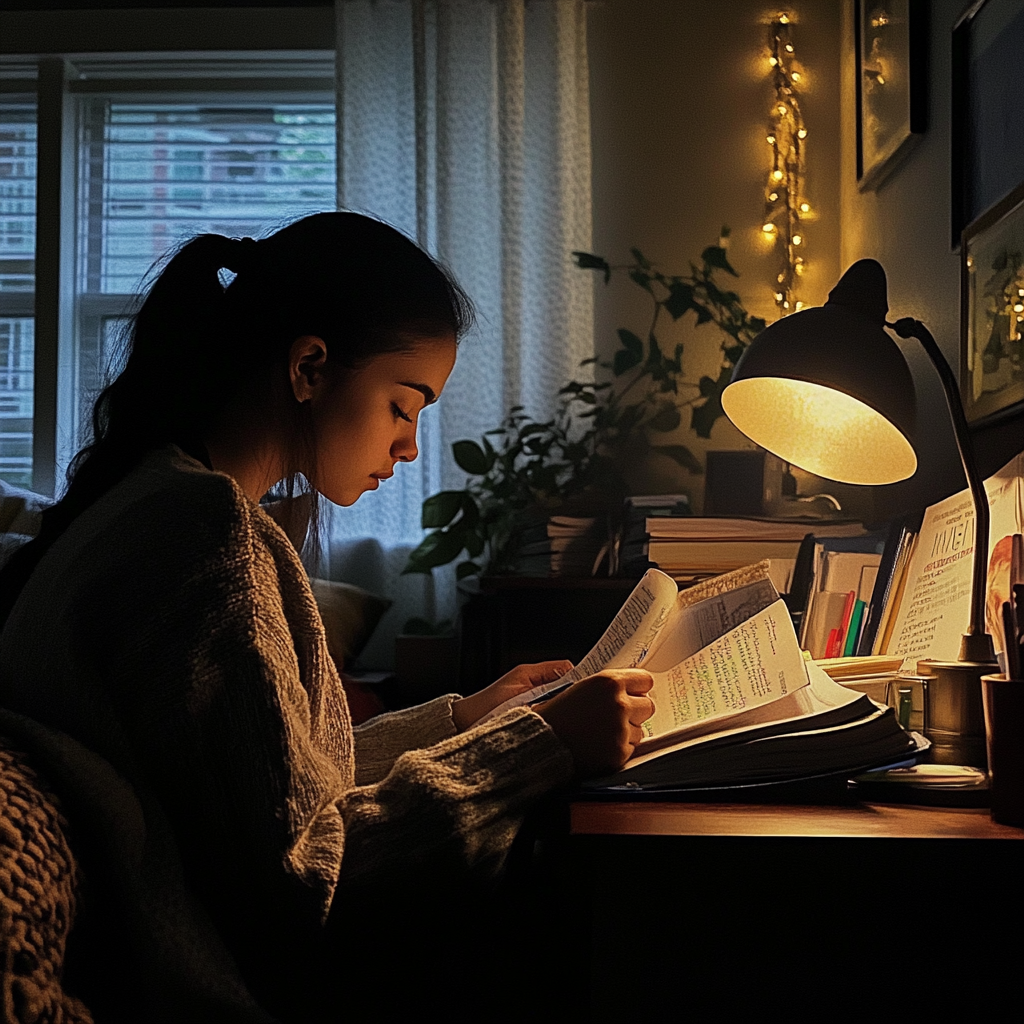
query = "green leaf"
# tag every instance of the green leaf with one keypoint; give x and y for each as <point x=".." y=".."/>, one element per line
<point x="470" y="457"/>
<point x="667" y="418"/>
<point x="681" y="454"/>
<point x="679" y="299"/>
<point x="440" y="509"/>
<point x="626" y="359"/>
<point x="588" y="261"/>
<point x="464" y="569"/>
<point x="714" y="256"/>
<point x="475" y="543"/>
<point x="640" y="258"/>
<point x="642" y="279"/>
<point x="631" y="342"/>
<point x="438" y="548"/>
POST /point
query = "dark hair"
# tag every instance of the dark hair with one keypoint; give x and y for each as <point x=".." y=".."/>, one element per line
<point x="196" y="348"/>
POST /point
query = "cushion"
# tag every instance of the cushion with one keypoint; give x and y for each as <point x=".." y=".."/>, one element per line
<point x="350" y="615"/>
<point x="20" y="510"/>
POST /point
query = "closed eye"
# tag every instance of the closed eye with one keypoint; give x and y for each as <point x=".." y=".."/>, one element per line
<point x="400" y="413"/>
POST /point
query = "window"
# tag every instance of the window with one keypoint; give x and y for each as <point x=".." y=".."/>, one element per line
<point x="156" y="171"/>
<point x="17" y="286"/>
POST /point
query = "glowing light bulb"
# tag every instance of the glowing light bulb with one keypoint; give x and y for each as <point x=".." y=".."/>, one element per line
<point x="880" y="80"/>
<point x="789" y="47"/>
<point x="799" y="305"/>
<point x="783" y="19"/>
<point x="779" y="296"/>
<point x="771" y="140"/>
<point x="1018" y="308"/>
<point x="768" y="228"/>
<point x="799" y="268"/>
<point x="970" y="262"/>
<point x="805" y="207"/>
<point x="785" y="305"/>
<point x="777" y="175"/>
<point x="802" y="134"/>
<point x="781" y="278"/>
<point x="773" y="61"/>
<point x="797" y="239"/>
<point x="781" y="108"/>
<point x="796" y="76"/>
<point x="1020" y="291"/>
<point x="773" y="196"/>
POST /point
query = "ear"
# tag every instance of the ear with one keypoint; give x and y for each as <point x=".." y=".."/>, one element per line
<point x="306" y="360"/>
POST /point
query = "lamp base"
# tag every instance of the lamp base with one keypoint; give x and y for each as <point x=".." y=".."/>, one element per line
<point x="954" y="721"/>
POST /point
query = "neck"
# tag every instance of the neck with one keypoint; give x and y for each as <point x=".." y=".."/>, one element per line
<point x="255" y="465"/>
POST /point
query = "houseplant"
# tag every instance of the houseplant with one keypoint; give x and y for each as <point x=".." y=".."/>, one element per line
<point x="574" y="461"/>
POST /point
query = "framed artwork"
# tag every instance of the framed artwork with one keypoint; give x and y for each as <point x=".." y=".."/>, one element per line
<point x="891" y="38"/>
<point x="992" y="312"/>
<point x="987" y="126"/>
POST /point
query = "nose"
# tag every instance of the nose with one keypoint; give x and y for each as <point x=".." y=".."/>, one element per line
<point x="404" y="449"/>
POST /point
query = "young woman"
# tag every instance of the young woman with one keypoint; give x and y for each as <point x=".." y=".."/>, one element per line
<point x="163" y="626"/>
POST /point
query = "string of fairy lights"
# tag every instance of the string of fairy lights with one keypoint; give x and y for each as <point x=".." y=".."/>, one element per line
<point x="786" y="206"/>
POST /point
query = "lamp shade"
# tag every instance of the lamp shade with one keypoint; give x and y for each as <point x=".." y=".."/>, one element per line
<point x="828" y="389"/>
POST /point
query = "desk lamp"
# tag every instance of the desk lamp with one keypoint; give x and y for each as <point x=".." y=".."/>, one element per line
<point x="828" y="389"/>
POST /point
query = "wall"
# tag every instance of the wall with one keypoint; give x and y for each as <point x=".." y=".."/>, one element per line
<point x="679" y="106"/>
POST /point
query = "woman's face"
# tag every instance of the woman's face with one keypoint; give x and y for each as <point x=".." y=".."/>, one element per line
<point x="367" y="424"/>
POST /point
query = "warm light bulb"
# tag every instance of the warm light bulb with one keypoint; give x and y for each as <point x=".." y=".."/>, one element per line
<point x="880" y="80"/>
<point x="781" y="108"/>
<point x="785" y="305"/>
<point x="796" y="76"/>
<point x="779" y="296"/>
<point x="819" y="429"/>
<point x="1018" y="308"/>
<point x="781" y="278"/>
<point x="798" y="239"/>
<point x="773" y="61"/>
<point x="768" y="228"/>
<point x="799" y="304"/>
<point x="970" y="262"/>
<point x="777" y="175"/>
<point x="773" y="196"/>
<point x="789" y="47"/>
<point x="783" y="19"/>
<point x="1020" y="291"/>
<point x="805" y="207"/>
<point x="802" y="133"/>
<point x="799" y="268"/>
<point x="771" y="139"/>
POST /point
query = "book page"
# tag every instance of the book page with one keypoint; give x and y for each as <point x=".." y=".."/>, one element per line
<point x="756" y="663"/>
<point x="935" y="607"/>
<point x="626" y="642"/>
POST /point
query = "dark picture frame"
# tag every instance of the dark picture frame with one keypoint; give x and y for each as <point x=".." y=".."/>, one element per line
<point x="891" y="40"/>
<point x="992" y="313"/>
<point x="987" y="109"/>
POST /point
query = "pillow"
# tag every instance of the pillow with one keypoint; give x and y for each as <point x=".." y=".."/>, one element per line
<point x="350" y="616"/>
<point x="20" y="509"/>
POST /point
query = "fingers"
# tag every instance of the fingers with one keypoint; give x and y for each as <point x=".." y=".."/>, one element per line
<point x="547" y="671"/>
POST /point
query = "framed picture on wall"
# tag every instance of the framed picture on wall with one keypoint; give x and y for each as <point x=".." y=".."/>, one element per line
<point x="992" y="312"/>
<point x="891" y="38"/>
<point x="988" y="108"/>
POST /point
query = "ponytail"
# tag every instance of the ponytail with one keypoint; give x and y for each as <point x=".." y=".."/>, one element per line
<point x="196" y="345"/>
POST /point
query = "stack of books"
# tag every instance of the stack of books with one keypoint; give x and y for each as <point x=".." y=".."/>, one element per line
<point x="562" y="545"/>
<point x="691" y="548"/>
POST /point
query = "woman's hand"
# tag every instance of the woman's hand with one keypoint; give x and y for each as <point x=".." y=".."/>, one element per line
<point x="467" y="710"/>
<point x="599" y="718"/>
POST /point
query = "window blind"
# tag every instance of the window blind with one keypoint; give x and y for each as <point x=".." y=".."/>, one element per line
<point x="155" y="173"/>
<point x="17" y="284"/>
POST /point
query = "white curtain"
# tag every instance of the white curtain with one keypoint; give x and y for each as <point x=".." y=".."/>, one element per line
<point x="466" y="124"/>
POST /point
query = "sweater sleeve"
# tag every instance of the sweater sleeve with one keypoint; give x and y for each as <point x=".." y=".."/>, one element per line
<point x="381" y="740"/>
<point x="463" y="798"/>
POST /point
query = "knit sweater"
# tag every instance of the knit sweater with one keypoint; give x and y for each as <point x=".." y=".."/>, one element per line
<point x="172" y="632"/>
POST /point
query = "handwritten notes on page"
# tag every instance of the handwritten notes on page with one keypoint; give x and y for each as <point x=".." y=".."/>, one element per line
<point x="755" y="663"/>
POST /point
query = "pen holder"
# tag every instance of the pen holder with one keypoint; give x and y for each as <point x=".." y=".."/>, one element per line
<point x="1003" y="700"/>
<point x="953" y="719"/>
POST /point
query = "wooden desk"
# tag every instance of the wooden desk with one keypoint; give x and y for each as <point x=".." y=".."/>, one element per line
<point x="754" y="911"/>
<point x="854" y="821"/>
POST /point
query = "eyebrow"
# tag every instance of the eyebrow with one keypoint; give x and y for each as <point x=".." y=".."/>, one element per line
<point x="424" y="389"/>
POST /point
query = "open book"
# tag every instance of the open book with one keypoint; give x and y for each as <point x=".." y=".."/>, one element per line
<point x="735" y="699"/>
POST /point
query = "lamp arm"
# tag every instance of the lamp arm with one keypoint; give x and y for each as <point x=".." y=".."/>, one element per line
<point x="976" y="644"/>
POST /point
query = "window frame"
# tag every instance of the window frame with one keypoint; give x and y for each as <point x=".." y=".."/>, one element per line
<point x="59" y="81"/>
